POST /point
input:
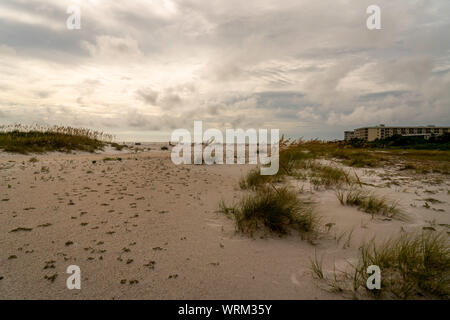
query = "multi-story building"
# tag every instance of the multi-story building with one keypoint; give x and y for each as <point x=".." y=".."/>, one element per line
<point x="349" y="135"/>
<point x="382" y="132"/>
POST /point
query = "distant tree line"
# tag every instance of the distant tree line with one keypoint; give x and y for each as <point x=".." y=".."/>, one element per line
<point x="435" y="142"/>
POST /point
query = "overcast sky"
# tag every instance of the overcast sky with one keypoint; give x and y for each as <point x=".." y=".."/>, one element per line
<point x="142" y="68"/>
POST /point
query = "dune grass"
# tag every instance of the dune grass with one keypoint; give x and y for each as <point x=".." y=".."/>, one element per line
<point x="412" y="265"/>
<point x="39" y="139"/>
<point x="277" y="211"/>
<point x="370" y="203"/>
<point x="303" y="159"/>
<point x="292" y="151"/>
<point x="253" y="179"/>
<point x="317" y="267"/>
<point x="358" y="158"/>
<point x="320" y="175"/>
<point x="427" y="167"/>
<point x="118" y="147"/>
<point x="329" y="176"/>
<point x="421" y="155"/>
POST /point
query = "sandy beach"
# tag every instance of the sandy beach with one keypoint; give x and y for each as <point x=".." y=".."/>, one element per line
<point x="140" y="227"/>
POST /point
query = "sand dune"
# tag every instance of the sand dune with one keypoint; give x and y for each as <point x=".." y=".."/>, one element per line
<point x="140" y="227"/>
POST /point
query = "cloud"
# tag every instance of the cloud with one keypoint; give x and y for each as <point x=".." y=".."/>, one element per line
<point x="113" y="48"/>
<point x="310" y="68"/>
<point x="148" y="96"/>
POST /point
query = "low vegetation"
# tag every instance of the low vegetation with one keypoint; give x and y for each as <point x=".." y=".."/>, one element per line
<point x="359" y="158"/>
<point x="329" y="176"/>
<point x="38" y="139"/>
<point x="278" y="211"/>
<point x="370" y="203"/>
<point x="252" y="180"/>
<point x="412" y="266"/>
<point x="424" y="168"/>
<point x="440" y="142"/>
<point x="301" y="159"/>
<point x="358" y="153"/>
<point x="118" y="147"/>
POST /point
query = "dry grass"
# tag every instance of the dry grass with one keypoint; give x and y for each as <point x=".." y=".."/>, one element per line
<point x="38" y="139"/>
<point x="317" y="266"/>
<point x="329" y="176"/>
<point x="118" y="147"/>
<point x="429" y="167"/>
<point x="275" y="210"/>
<point x="412" y="265"/>
<point x="292" y="151"/>
<point x="370" y="203"/>
<point x="253" y="179"/>
<point x="359" y="157"/>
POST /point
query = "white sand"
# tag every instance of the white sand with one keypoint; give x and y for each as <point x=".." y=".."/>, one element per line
<point x="144" y="209"/>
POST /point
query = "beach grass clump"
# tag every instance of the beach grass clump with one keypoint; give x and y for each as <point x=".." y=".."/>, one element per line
<point x="39" y="139"/>
<point x="253" y="179"/>
<point x="317" y="267"/>
<point x="412" y="265"/>
<point x="427" y="167"/>
<point x="358" y="158"/>
<point x="118" y="147"/>
<point x="329" y="176"/>
<point x="293" y="158"/>
<point x="297" y="154"/>
<point x="409" y="166"/>
<point x="275" y="210"/>
<point x="370" y="203"/>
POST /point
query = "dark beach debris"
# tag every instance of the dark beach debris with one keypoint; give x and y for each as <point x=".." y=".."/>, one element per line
<point x="21" y="229"/>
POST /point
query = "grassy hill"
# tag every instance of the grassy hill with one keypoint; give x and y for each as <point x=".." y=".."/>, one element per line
<point x="39" y="139"/>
